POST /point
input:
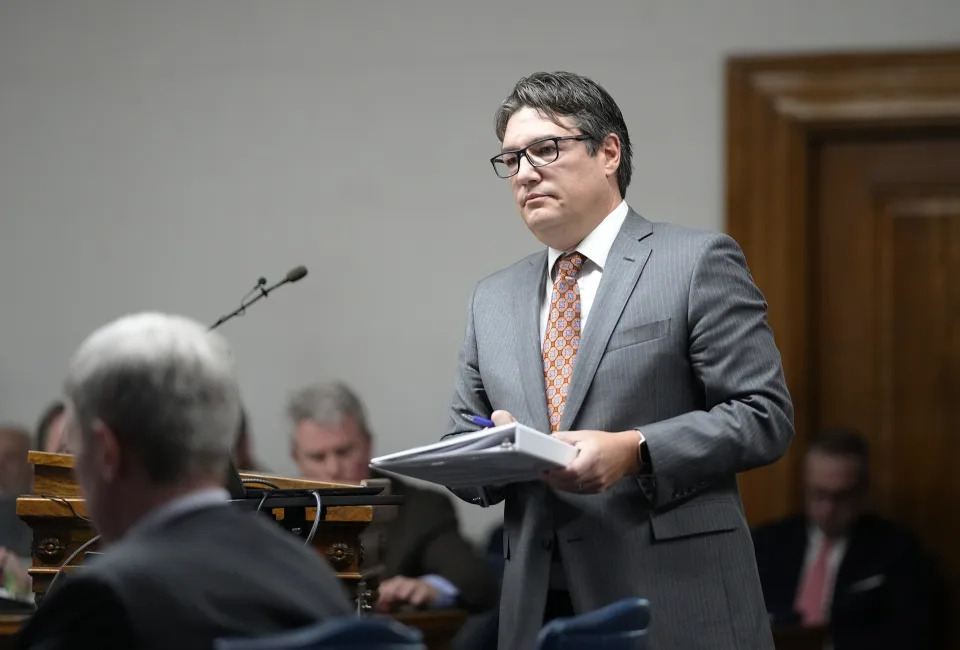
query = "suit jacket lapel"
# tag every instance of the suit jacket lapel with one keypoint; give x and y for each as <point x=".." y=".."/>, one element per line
<point x="529" y="355"/>
<point x="626" y="260"/>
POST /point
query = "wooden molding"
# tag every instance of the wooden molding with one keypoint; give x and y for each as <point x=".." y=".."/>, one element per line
<point x="776" y="109"/>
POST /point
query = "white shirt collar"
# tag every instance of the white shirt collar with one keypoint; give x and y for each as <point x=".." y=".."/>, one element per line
<point x="180" y="506"/>
<point x="595" y="246"/>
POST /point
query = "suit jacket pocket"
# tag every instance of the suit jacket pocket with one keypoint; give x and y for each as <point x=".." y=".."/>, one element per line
<point x="696" y="518"/>
<point x="867" y="584"/>
<point x="638" y="334"/>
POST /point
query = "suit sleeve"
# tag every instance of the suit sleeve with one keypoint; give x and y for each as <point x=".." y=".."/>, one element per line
<point x="83" y="613"/>
<point x="747" y="421"/>
<point x="470" y="398"/>
<point x="446" y="553"/>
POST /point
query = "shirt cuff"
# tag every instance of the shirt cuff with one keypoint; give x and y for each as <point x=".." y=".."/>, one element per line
<point x="448" y="593"/>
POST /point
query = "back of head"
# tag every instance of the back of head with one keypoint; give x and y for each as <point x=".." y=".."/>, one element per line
<point x="565" y="94"/>
<point x="49" y="427"/>
<point x="165" y="386"/>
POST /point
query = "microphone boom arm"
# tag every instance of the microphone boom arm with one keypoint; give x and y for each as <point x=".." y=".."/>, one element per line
<point x="294" y="275"/>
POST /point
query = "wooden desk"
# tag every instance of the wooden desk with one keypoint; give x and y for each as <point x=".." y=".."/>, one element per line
<point x="56" y="514"/>
<point x="9" y="625"/>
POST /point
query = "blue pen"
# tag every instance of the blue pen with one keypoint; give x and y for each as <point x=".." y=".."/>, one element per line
<point x="479" y="421"/>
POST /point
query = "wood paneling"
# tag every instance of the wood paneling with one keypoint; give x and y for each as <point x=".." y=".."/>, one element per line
<point x="843" y="188"/>
<point x="779" y="109"/>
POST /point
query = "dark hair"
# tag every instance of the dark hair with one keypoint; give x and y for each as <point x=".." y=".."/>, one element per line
<point x="844" y="442"/>
<point x="51" y="413"/>
<point x="242" y="455"/>
<point x="565" y="94"/>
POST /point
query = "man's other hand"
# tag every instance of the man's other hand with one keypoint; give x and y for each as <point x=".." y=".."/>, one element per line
<point x="401" y="590"/>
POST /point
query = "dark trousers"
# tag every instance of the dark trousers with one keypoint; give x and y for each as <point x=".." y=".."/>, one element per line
<point x="558" y="605"/>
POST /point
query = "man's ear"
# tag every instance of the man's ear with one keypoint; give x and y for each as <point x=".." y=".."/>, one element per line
<point x="610" y="150"/>
<point x="105" y="450"/>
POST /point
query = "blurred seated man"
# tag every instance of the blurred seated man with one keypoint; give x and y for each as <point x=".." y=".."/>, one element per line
<point x="50" y="428"/>
<point x="152" y="411"/>
<point x="864" y="577"/>
<point x="15" y="479"/>
<point x="426" y="561"/>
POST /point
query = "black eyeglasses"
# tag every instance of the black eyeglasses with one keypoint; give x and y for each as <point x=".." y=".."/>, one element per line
<point x="539" y="154"/>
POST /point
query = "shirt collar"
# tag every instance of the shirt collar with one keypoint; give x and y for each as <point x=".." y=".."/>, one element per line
<point x="816" y="538"/>
<point x="175" y="508"/>
<point x="595" y="246"/>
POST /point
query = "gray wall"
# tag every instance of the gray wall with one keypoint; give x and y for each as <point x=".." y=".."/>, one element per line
<point x="165" y="154"/>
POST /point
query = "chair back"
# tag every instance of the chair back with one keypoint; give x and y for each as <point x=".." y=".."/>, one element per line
<point x="619" y="626"/>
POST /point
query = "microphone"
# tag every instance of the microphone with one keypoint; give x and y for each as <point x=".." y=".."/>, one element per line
<point x="293" y="275"/>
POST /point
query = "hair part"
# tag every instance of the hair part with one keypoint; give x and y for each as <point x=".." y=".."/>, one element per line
<point x="165" y="386"/>
<point x="328" y="404"/>
<point x="565" y="94"/>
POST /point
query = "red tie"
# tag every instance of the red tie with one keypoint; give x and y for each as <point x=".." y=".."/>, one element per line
<point x="810" y="596"/>
<point x="562" y="337"/>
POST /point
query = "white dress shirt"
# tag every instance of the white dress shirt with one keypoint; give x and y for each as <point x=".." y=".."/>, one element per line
<point x="595" y="247"/>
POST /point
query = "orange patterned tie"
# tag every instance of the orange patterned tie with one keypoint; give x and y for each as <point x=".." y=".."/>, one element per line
<point x="563" y="335"/>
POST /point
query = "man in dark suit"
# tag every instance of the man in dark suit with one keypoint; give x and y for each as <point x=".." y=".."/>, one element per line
<point x="152" y="410"/>
<point x="645" y="345"/>
<point x="427" y="563"/>
<point x="863" y="576"/>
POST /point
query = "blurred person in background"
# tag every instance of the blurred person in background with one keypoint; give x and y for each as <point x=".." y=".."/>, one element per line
<point x="840" y="566"/>
<point x="427" y="563"/>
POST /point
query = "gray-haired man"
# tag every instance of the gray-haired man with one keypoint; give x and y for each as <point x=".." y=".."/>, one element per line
<point x="152" y="411"/>
<point x="426" y="561"/>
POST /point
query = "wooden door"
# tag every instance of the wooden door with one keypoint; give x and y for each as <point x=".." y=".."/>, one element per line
<point x="887" y="321"/>
<point x="843" y="188"/>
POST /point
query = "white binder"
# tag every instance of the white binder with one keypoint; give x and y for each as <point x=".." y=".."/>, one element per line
<point x="511" y="453"/>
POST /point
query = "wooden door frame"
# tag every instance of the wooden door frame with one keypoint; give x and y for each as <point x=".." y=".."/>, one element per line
<point x="777" y="109"/>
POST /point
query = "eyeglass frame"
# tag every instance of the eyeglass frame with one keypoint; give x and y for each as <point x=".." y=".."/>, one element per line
<point x="523" y="152"/>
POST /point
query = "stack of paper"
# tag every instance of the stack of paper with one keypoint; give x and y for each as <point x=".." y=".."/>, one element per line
<point x="511" y="453"/>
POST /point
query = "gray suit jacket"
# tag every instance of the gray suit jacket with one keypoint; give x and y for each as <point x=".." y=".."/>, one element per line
<point x="206" y="574"/>
<point x="677" y="345"/>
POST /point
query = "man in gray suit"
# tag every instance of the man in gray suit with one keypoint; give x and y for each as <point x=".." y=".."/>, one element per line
<point x="152" y="411"/>
<point x="646" y="346"/>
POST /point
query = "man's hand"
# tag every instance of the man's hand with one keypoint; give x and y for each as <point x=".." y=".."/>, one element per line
<point x="501" y="418"/>
<point x="604" y="459"/>
<point x="13" y="576"/>
<point x="401" y="590"/>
